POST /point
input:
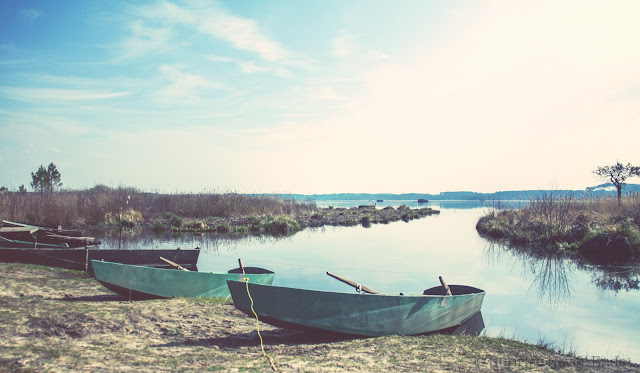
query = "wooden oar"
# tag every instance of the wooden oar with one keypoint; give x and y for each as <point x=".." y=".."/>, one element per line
<point x="353" y="283"/>
<point x="175" y="264"/>
<point x="445" y="287"/>
<point x="242" y="274"/>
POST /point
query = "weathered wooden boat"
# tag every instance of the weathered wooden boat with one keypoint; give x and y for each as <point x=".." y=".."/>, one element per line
<point x="37" y="235"/>
<point x="422" y="200"/>
<point x="80" y="258"/>
<point x="9" y="243"/>
<point x="52" y="228"/>
<point x="359" y="314"/>
<point x="140" y="282"/>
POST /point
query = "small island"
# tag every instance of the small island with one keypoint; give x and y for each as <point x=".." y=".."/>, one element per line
<point x="602" y="230"/>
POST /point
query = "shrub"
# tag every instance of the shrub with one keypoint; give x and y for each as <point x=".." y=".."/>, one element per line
<point x="128" y="218"/>
<point x="175" y="220"/>
<point x="281" y="225"/>
<point x="223" y="228"/>
<point x="159" y="226"/>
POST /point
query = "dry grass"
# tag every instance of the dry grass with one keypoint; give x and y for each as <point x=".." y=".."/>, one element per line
<point x="101" y="205"/>
<point x="562" y="222"/>
<point x="63" y="321"/>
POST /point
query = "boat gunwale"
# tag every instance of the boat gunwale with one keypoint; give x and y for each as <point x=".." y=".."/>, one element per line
<point x="402" y="295"/>
<point x="266" y="271"/>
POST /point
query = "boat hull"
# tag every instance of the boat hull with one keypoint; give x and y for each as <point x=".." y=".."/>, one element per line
<point x="80" y="259"/>
<point x="358" y="314"/>
<point x="37" y="236"/>
<point x="140" y="282"/>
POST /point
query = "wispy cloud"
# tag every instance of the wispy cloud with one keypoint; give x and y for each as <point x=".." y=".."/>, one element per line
<point x="183" y="87"/>
<point x="209" y="18"/>
<point x="347" y="45"/>
<point x="251" y="67"/>
<point x="30" y="14"/>
<point x="344" y="44"/>
<point x="243" y="33"/>
<point x="39" y="95"/>
<point x="143" y="40"/>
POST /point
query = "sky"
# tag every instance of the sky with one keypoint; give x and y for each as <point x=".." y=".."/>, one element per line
<point x="331" y="96"/>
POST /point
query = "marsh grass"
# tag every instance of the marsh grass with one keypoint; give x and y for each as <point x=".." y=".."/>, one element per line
<point x="554" y="222"/>
<point x="103" y="205"/>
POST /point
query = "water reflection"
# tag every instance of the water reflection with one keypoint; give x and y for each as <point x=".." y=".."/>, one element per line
<point x="551" y="274"/>
<point x="129" y="239"/>
<point x="617" y="278"/>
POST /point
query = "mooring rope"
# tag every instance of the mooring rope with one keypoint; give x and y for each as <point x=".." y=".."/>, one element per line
<point x="246" y="281"/>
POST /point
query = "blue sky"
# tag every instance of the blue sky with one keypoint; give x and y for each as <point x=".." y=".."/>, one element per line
<point x="319" y="96"/>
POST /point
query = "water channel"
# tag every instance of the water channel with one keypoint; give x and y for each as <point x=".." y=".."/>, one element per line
<point x="576" y="307"/>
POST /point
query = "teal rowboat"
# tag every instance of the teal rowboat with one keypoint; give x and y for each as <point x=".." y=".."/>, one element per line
<point x="358" y="313"/>
<point x="140" y="282"/>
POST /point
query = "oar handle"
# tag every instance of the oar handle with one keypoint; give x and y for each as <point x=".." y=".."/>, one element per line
<point x="353" y="283"/>
<point x="445" y="287"/>
<point x="241" y="266"/>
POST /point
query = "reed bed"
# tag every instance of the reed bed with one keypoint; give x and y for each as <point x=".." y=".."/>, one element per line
<point x="553" y="222"/>
<point x="103" y="205"/>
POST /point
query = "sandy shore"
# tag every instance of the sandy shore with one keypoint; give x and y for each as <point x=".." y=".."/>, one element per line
<point x="64" y="321"/>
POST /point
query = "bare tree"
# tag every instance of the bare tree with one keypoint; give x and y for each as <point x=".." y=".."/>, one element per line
<point x="617" y="174"/>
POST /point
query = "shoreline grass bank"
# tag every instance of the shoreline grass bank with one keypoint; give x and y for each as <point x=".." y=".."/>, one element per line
<point x="600" y="230"/>
<point x="228" y="213"/>
<point x="65" y="321"/>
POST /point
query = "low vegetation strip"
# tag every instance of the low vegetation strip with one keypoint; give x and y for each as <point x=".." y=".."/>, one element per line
<point x="64" y="321"/>
<point x="102" y="205"/>
<point x="227" y="213"/>
<point x="604" y="231"/>
<point x="287" y="224"/>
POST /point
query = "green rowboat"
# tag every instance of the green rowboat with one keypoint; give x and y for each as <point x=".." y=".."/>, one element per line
<point x="358" y="313"/>
<point x="140" y="282"/>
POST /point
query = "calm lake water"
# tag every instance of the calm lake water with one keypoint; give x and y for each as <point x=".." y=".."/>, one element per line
<point x="587" y="310"/>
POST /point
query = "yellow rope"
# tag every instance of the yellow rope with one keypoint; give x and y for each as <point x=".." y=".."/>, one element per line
<point x="246" y="281"/>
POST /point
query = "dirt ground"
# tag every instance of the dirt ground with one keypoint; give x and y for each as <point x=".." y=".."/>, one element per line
<point x="65" y="321"/>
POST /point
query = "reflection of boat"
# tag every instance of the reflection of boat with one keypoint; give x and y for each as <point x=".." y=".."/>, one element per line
<point x="80" y="258"/>
<point x="142" y="282"/>
<point x="472" y="326"/>
<point x="359" y="314"/>
<point x="17" y="234"/>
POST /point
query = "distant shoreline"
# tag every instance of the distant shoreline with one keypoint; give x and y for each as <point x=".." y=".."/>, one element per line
<point x="601" y="190"/>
